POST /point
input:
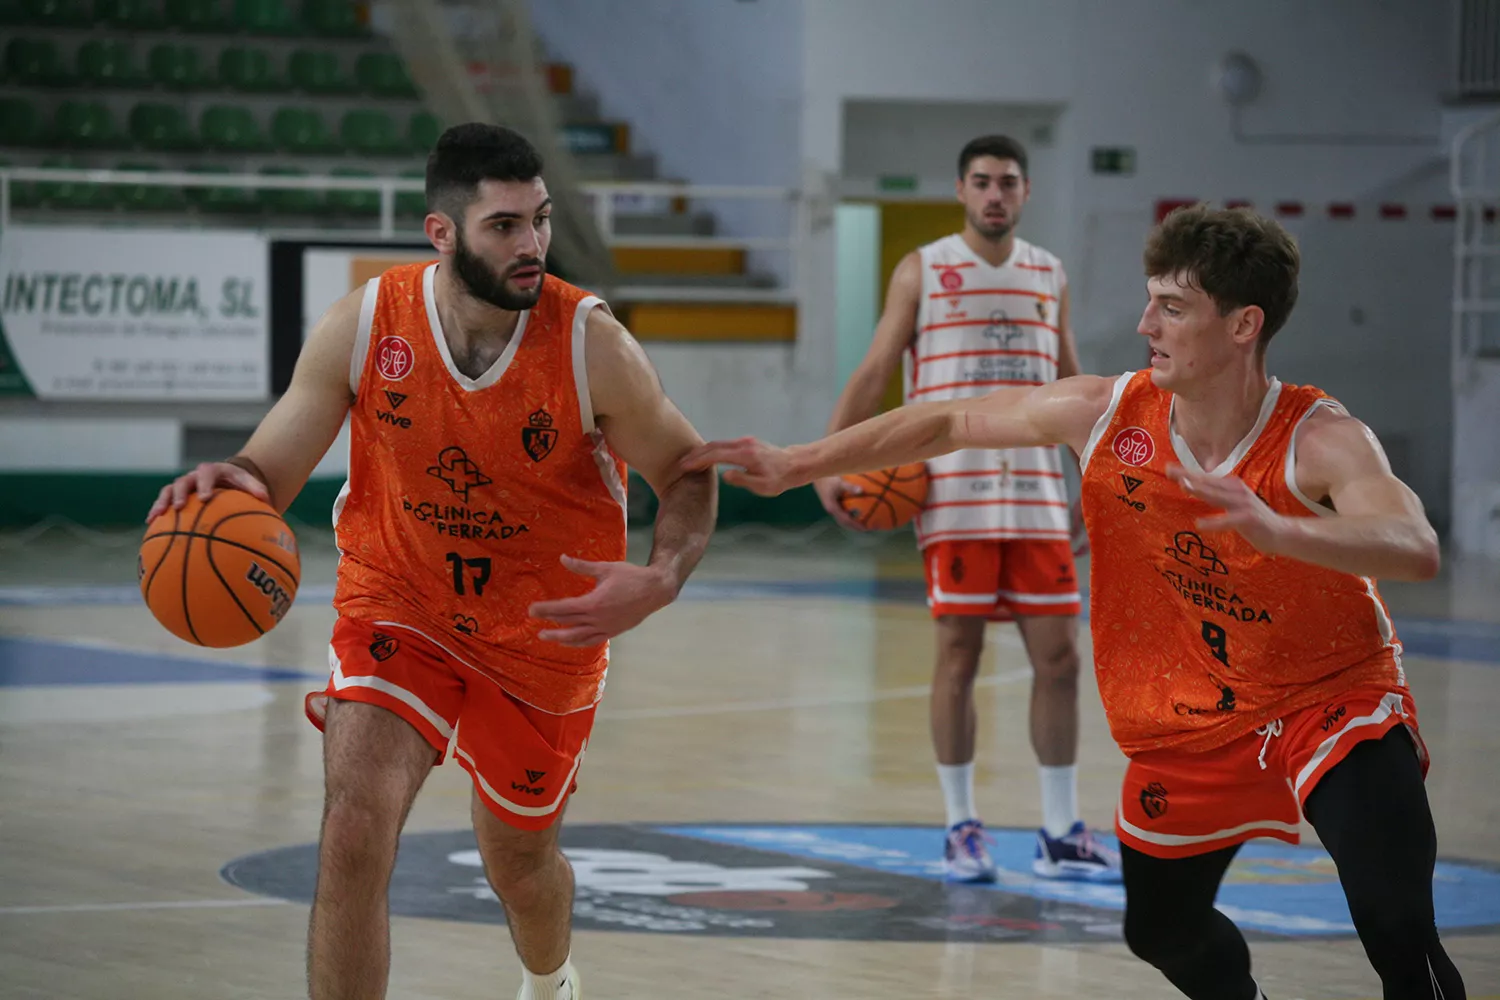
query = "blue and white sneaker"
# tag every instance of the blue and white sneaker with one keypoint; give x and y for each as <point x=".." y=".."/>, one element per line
<point x="1075" y="856"/>
<point x="966" y="858"/>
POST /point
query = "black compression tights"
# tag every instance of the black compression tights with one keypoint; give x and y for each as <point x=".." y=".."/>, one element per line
<point x="1371" y="813"/>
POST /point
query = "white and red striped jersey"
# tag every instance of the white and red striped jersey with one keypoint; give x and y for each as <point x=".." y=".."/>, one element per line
<point x="981" y="327"/>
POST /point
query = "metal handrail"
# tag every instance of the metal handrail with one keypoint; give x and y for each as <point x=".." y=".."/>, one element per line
<point x="603" y="193"/>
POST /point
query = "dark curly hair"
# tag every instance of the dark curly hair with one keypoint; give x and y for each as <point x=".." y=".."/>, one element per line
<point x="1237" y="257"/>
<point x="473" y="152"/>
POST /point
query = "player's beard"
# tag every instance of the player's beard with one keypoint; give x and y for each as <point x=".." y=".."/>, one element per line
<point x="487" y="286"/>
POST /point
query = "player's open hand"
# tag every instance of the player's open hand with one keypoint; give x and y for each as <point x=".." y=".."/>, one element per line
<point x="760" y="468"/>
<point x="624" y="595"/>
<point x="1243" y="511"/>
<point x="204" y="480"/>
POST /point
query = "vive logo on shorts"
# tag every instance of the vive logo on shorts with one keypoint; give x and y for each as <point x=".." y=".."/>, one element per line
<point x="532" y="777"/>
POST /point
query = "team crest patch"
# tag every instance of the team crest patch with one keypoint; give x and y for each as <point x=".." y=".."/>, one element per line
<point x="540" y="437"/>
<point x="384" y="647"/>
<point x="1133" y="446"/>
<point x="1154" y="800"/>
<point x="951" y="280"/>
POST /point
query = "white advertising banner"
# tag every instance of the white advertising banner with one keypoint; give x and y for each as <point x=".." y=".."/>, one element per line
<point x="140" y="314"/>
<point x="330" y="273"/>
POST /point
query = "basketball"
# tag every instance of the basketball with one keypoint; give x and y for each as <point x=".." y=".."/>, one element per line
<point x="220" y="573"/>
<point x="888" y="498"/>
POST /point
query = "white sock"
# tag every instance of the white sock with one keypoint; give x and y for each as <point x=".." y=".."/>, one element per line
<point x="958" y="791"/>
<point x="1059" y="798"/>
<point x="534" y="987"/>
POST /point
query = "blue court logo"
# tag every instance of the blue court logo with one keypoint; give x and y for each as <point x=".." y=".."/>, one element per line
<point x="851" y="883"/>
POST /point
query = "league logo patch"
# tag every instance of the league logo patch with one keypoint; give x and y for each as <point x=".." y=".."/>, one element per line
<point x="394" y="358"/>
<point x="1134" y="446"/>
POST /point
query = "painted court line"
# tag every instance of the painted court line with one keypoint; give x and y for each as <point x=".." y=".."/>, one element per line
<point x="184" y="904"/>
<point x="775" y="704"/>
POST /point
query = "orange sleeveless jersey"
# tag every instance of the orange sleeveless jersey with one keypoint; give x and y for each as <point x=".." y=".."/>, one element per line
<point x="1198" y="638"/>
<point x="463" y="493"/>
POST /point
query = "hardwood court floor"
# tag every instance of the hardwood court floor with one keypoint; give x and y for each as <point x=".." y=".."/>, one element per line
<point x="743" y="825"/>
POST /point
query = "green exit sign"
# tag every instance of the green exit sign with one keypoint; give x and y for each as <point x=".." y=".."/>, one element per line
<point x="898" y="182"/>
<point x="1114" y="160"/>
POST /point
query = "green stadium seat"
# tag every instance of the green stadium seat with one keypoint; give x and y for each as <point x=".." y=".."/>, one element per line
<point x="107" y="64"/>
<point x="161" y="127"/>
<point x="265" y="17"/>
<point x="36" y="62"/>
<point x="131" y="15"/>
<point x="59" y="13"/>
<point x="354" y="202"/>
<point x="317" y="73"/>
<point x="412" y="202"/>
<point x="230" y="129"/>
<point x="73" y="194"/>
<point x="175" y="67"/>
<point x="371" y="132"/>
<point x="422" y="131"/>
<point x="84" y="124"/>
<point x="249" y="71"/>
<point x="202" y="16"/>
<point x="13" y="13"/>
<point x="20" y="123"/>
<point x="221" y="199"/>
<point x="383" y="74"/>
<point x="289" y="201"/>
<point x="301" y="130"/>
<point x="333" y="19"/>
<point x="148" y="197"/>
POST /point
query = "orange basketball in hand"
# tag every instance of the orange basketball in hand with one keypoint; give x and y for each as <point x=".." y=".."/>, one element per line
<point x="220" y="573"/>
<point x="888" y="498"/>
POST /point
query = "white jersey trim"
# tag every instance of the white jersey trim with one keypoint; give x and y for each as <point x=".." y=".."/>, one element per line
<point x="1190" y="461"/>
<point x="1102" y="424"/>
<point x="1291" y="458"/>
<point x="362" y="334"/>
<point x="435" y="325"/>
<point x="581" y="315"/>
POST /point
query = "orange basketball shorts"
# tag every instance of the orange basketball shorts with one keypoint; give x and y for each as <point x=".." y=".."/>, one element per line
<point x="524" y="761"/>
<point x="1001" y="579"/>
<point x="1176" y="803"/>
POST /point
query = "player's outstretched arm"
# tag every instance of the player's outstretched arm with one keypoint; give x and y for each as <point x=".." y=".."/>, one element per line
<point x="1377" y="526"/>
<point x="1062" y="412"/>
<point x="294" y="436"/>
<point x="645" y="429"/>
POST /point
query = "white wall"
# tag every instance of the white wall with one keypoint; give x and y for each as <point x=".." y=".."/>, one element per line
<point x="1138" y="73"/>
<point x="711" y="87"/>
